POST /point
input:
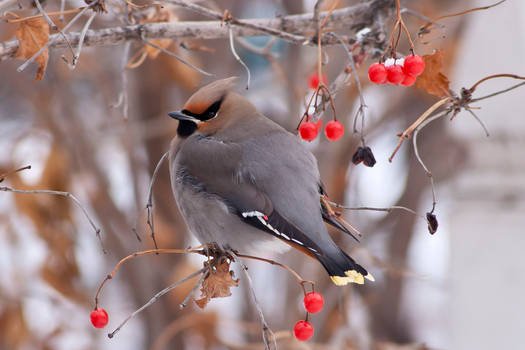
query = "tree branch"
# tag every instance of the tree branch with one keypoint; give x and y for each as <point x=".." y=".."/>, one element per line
<point x="282" y="27"/>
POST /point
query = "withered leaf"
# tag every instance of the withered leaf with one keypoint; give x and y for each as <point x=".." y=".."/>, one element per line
<point x="217" y="284"/>
<point x="32" y="35"/>
<point x="432" y="80"/>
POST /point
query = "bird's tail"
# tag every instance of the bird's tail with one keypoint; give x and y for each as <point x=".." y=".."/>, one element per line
<point x="343" y="269"/>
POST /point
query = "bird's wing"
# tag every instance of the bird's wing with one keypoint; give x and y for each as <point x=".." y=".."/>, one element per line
<point x="221" y="169"/>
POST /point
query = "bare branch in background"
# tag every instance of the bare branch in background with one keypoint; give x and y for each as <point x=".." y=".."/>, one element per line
<point x="301" y="25"/>
<point x="63" y="194"/>
<point x="149" y="204"/>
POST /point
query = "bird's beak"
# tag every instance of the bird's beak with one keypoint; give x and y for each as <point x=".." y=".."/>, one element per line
<point x="179" y="115"/>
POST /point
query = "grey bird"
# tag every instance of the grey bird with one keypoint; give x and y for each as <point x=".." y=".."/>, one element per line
<point x="241" y="181"/>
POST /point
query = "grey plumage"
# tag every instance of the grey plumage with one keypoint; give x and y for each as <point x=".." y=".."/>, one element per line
<point x="241" y="180"/>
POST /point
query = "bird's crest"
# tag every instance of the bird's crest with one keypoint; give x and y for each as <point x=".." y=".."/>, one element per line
<point x="201" y="100"/>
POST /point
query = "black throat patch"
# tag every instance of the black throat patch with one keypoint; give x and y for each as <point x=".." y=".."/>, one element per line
<point x="186" y="128"/>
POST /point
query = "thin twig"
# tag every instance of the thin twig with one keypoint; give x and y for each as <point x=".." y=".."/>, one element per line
<point x="433" y="21"/>
<point x="232" y="47"/>
<point x="416" y="152"/>
<point x="193" y="290"/>
<point x="52" y="24"/>
<point x="46" y="17"/>
<point x="504" y="75"/>
<point x="149" y="204"/>
<point x="415" y="124"/>
<point x="420" y="16"/>
<point x="63" y="194"/>
<point x="387" y="209"/>
<point x="143" y="252"/>
<point x="148" y="42"/>
<point x="54" y="37"/>
<point x="50" y="14"/>
<point x="76" y="56"/>
<point x="301" y="280"/>
<point x="496" y="93"/>
<point x="267" y="333"/>
<point x="478" y="119"/>
<point x="156" y="297"/>
<point x="4" y="175"/>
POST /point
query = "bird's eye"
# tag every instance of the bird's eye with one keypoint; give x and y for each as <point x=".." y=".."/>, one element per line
<point x="212" y="111"/>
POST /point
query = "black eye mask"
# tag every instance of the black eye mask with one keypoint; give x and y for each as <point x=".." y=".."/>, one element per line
<point x="208" y="114"/>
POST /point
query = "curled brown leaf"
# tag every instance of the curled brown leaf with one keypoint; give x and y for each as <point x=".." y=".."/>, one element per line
<point x="432" y="80"/>
<point x="217" y="283"/>
<point x="32" y="36"/>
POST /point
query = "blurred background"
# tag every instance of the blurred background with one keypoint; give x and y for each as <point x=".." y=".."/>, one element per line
<point x="461" y="288"/>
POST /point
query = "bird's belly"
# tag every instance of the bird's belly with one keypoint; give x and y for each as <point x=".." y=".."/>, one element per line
<point x="211" y="221"/>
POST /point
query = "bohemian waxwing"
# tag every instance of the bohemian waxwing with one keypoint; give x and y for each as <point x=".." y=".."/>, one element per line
<point x="240" y="181"/>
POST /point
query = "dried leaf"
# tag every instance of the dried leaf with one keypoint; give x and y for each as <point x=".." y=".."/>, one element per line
<point x="432" y="80"/>
<point x="217" y="284"/>
<point x="33" y="35"/>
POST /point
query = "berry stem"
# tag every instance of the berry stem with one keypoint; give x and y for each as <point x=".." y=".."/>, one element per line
<point x="503" y="75"/>
<point x="414" y="125"/>
<point x="301" y="280"/>
<point x="399" y="27"/>
<point x="156" y="297"/>
<point x="144" y="252"/>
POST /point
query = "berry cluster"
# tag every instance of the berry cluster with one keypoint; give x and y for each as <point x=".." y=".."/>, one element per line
<point x="99" y="318"/>
<point x="313" y="303"/>
<point x="401" y="72"/>
<point x="309" y="130"/>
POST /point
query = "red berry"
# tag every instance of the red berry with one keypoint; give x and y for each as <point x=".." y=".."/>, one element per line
<point x="313" y="80"/>
<point x="303" y="330"/>
<point x="308" y="131"/>
<point x="395" y="74"/>
<point x="377" y="73"/>
<point x="334" y="130"/>
<point x="414" y="65"/>
<point x="99" y="318"/>
<point x="313" y="302"/>
<point x="409" y="80"/>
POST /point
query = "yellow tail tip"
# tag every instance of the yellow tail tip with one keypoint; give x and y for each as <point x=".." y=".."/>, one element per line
<point x="352" y="276"/>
